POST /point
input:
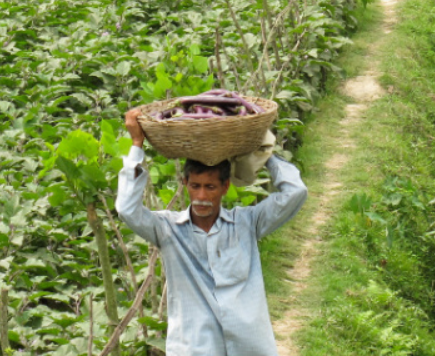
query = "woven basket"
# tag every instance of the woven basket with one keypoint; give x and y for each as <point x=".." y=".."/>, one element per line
<point x="209" y="141"/>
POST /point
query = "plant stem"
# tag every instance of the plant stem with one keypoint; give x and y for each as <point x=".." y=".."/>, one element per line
<point x="91" y="324"/>
<point x="127" y="258"/>
<point x="263" y="37"/>
<point x="245" y="45"/>
<point x="103" y="253"/>
<point x="218" y="59"/>
<point x="154" y="284"/>
<point x="269" y="22"/>
<point x="133" y="309"/>
<point x="4" y="339"/>
<point x="286" y="63"/>
<point x="278" y="20"/>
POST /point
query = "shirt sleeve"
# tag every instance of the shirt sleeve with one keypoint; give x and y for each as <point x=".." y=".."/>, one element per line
<point x="280" y="206"/>
<point x="132" y="181"/>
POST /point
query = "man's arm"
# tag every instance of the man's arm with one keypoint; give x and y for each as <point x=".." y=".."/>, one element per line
<point x="131" y="185"/>
<point x="281" y="206"/>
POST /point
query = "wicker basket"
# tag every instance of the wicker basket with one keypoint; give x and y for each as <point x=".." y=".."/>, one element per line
<point x="209" y="141"/>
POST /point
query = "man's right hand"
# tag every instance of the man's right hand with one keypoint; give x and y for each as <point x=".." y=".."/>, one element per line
<point x="133" y="127"/>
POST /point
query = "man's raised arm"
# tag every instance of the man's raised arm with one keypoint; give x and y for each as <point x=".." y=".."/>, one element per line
<point x="280" y="206"/>
<point x="131" y="185"/>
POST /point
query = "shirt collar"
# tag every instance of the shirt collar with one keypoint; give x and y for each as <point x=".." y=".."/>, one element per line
<point x="185" y="216"/>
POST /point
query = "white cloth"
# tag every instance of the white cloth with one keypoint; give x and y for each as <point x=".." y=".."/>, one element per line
<point x="244" y="169"/>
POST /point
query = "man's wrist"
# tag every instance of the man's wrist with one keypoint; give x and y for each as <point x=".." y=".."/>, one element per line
<point x="138" y="143"/>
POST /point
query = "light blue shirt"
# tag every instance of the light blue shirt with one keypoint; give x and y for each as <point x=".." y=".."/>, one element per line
<point x="216" y="298"/>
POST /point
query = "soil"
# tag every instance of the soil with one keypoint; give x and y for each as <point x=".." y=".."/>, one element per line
<point x="363" y="90"/>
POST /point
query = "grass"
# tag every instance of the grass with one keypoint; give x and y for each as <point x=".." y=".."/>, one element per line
<point x="367" y="298"/>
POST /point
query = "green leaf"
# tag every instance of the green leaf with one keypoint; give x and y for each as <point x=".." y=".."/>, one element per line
<point x="5" y="106"/>
<point x="19" y="219"/>
<point x="14" y="336"/>
<point x="34" y="263"/>
<point x="232" y="193"/>
<point x="108" y="140"/>
<point x="200" y="64"/>
<point x="58" y="195"/>
<point x="153" y="323"/>
<point x="79" y="144"/>
<point x="154" y="174"/>
<point x="166" y="195"/>
<point x="68" y="167"/>
<point x="49" y="331"/>
<point x="286" y="94"/>
<point x="157" y="343"/>
<point x="93" y="177"/>
<point x="37" y="295"/>
<point x="124" y="145"/>
<point x="58" y="297"/>
<point x="375" y="217"/>
<point x="123" y="68"/>
<point x="195" y="49"/>
<point x="251" y="40"/>
<point x="66" y="350"/>
<point x="160" y="87"/>
<point x="6" y="262"/>
<point x="246" y="201"/>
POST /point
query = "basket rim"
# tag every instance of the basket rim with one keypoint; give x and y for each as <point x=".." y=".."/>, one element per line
<point x="163" y="103"/>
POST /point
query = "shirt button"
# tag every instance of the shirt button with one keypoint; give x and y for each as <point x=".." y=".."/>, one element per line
<point x="218" y="253"/>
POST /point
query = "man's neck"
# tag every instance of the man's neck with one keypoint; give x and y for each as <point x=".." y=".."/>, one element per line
<point x="204" y="223"/>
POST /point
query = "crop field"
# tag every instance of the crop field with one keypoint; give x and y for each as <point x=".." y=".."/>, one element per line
<point x="69" y="70"/>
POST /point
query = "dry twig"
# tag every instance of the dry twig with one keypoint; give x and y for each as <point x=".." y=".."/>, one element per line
<point x="134" y="308"/>
<point x="91" y="324"/>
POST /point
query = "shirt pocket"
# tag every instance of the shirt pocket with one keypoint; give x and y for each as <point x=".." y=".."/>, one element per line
<point x="234" y="263"/>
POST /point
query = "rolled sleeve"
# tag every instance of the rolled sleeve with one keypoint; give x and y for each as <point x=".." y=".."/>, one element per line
<point x="129" y="201"/>
<point x="281" y="206"/>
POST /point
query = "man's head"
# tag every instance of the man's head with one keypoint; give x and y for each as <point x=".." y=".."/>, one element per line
<point x="206" y="186"/>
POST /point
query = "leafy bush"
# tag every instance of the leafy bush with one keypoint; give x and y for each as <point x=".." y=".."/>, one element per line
<point x="68" y="72"/>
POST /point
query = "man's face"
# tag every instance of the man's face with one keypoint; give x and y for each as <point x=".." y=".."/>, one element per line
<point x="206" y="192"/>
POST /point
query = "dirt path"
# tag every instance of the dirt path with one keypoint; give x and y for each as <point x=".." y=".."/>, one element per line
<point x="363" y="89"/>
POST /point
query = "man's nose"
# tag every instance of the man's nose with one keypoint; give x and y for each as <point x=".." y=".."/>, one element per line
<point x="202" y="194"/>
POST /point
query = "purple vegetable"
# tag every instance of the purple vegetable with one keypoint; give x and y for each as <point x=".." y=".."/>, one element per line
<point x="204" y="108"/>
<point x="169" y="113"/>
<point x="213" y="100"/>
<point x="195" y="116"/>
<point x="258" y="109"/>
<point x="243" y="111"/>
<point x="156" y="115"/>
<point x="200" y="116"/>
<point x="216" y="92"/>
<point x="198" y="109"/>
<point x="247" y="105"/>
<point x="216" y="103"/>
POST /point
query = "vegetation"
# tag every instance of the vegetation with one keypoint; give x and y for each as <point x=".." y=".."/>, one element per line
<point x="68" y="72"/>
<point x="372" y="290"/>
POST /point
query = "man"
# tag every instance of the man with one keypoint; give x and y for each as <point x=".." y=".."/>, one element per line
<point x="216" y="298"/>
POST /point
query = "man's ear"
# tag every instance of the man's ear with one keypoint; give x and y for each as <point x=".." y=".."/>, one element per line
<point x="185" y="181"/>
<point x="226" y="185"/>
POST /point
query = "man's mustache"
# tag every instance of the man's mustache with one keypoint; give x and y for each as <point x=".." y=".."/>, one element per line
<point x="202" y="203"/>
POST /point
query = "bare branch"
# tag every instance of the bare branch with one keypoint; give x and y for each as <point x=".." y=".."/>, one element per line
<point x="91" y="325"/>
<point x="134" y="308"/>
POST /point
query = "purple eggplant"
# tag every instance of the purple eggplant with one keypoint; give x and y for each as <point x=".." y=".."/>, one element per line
<point x="211" y="100"/>
<point x="216" y="92"/>
<point x="195" y="116"/>
<point x="249" y="107"/>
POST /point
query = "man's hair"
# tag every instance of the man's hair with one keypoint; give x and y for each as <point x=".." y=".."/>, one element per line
<point x="224" y="169"/>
